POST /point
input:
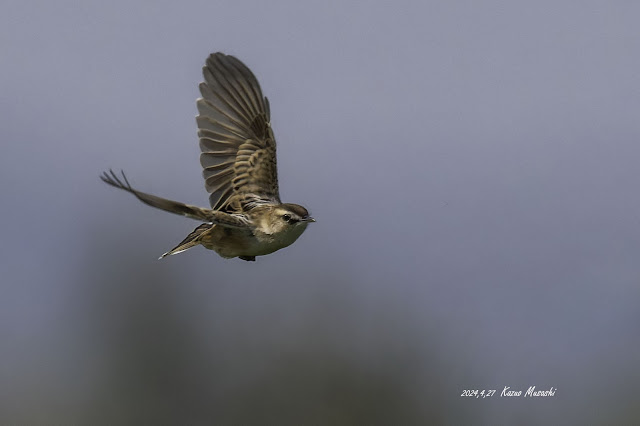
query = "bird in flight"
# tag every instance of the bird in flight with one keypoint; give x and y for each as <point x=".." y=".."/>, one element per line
<point x="238" y="155"/>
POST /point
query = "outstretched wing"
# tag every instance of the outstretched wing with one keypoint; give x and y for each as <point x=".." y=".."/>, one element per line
<point x="170" y="206"/>
<point x="225" y="219"/>
<point x="236" y="140"/>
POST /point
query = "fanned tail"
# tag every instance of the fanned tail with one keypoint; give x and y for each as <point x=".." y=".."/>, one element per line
<point x="192" y="240"/>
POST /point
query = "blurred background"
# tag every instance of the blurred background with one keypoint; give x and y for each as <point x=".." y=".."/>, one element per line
<point x="473" y="167"/>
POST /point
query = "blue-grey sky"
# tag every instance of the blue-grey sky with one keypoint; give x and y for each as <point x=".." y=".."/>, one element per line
<point x="473" y="167"/>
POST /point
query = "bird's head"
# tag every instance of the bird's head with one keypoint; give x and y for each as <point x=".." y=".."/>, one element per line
<point x="287" y="218"/>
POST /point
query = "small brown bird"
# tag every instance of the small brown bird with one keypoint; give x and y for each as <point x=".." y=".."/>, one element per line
<point x="247" y="218"/>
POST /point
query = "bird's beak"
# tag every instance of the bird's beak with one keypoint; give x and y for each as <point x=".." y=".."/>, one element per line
<point x="309" y="219"/>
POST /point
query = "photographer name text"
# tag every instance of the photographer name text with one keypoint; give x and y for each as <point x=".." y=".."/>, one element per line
<point x="508" y="392"/>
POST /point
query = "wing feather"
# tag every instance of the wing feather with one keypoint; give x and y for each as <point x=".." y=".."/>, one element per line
<point x="237" y="143"/>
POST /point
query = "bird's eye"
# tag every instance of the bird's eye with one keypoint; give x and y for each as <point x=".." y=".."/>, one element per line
<point x="286" y="217"/>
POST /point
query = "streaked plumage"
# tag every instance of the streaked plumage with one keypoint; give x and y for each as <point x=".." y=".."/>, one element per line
<point x="238" y="155"/>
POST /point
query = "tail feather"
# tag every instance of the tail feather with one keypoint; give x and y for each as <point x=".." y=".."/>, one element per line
<point x="192" y="240"/>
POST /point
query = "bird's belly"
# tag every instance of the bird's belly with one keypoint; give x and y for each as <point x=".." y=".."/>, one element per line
<point x="229" y="242"/>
